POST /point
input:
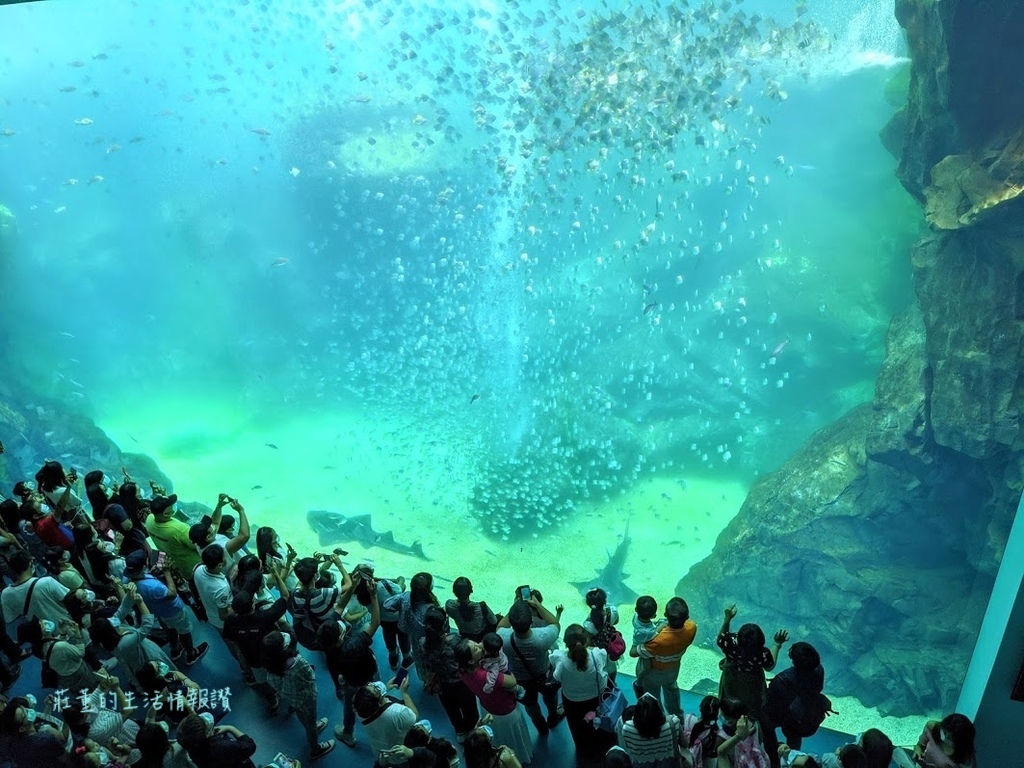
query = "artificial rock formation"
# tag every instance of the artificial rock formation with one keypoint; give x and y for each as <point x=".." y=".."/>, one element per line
<point x="880" y="540"/>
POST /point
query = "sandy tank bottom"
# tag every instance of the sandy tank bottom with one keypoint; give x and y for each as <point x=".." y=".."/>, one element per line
<point x="416" y="487"/>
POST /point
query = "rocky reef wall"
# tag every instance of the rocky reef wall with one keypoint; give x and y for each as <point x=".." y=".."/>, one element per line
<point x="880" y="540"/>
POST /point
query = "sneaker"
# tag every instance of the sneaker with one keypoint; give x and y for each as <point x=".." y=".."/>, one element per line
<point x="322" y="749"/>
<point x="638" y="690"/>
<point x="15" y="674"/>
<point x="393" y="661"/>
<point x="176" y="653"/>
<point x="321" y="724"/>
<point x="407" y="662"/>
<point x="197" y="654"/>
<point x="345" y="737"/>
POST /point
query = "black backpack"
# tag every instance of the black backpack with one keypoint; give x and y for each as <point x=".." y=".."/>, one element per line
<point x="807" y="713"/>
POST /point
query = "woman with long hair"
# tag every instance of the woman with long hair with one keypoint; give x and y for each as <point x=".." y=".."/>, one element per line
<point x="651" y="739"/>
<point x="395" y="639"/>
<point x="500" y="703"/>
<point x="581" y="671"/>
<point x="411" y="607"/>
<point x="442" y="673"/>
<point x="269" y="551"/>
<point x="294" y="681"/>
<point x="481" y="752"/>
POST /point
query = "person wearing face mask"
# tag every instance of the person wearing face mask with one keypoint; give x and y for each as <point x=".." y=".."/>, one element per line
<point x="40" y="598"/>
<point x="161" y="598"/>
<point x="59" y="489"/>
<point x="58" y="563"/>
<point x="44" y="523"/>
<point x="130" y="645"/>
<point x="480" y="751"/>
<point x="210" y="746"/>
<point x="27" y="740"/>
<point x="159" y="683"/>
<point x="386" y="721"/>
<point x="85" y="607"/>
<point x="68" y="659"/>
<point x="89" y="717"/>
<point x="295" y="682"/>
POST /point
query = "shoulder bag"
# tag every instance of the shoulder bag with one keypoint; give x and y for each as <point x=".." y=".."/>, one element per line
<point x="28" y="597"/>
<point x="611" y="703"/>
<point x="547" y="680"/>
<point x="48" y="677"/>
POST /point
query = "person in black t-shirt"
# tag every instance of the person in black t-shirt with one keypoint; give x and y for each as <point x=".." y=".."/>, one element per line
<point x="350" y="659"/>
<point x="210" y="746"/>
<point x="247" y="627"/>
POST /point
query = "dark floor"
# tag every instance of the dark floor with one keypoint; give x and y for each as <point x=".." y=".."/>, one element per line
<point x="218" y="670"/>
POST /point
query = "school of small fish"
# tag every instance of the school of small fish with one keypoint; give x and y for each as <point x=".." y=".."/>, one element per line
<point x="548" y="211"/>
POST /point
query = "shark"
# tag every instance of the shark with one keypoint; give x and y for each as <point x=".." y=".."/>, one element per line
<point x="611" y="578"/>
<point x="335" y="528"/>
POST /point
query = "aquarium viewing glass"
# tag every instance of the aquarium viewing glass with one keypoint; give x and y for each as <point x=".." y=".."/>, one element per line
<point x="528" y="284"/>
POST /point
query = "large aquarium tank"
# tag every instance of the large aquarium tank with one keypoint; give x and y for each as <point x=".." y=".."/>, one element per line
<point x="554" y="292"/>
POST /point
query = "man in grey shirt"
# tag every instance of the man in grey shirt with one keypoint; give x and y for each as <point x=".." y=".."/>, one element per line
<point x="527" y="649"/>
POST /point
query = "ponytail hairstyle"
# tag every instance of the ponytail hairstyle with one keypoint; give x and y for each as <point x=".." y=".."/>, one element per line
<point x="435" y="623"/>
<point x="576" y="643"/>
<point x="462" y="588"/>
<point x="708" y="723"/>
<point x="421" y="589"/>
<point x="479" y="751"/>
<point x="597" y="600"/>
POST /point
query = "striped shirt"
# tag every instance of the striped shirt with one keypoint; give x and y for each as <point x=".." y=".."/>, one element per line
<point x="658" y="752"/>
<point x="669" y="645"/>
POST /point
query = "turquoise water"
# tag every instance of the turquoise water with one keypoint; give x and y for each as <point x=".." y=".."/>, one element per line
<point x="501" y="276"/>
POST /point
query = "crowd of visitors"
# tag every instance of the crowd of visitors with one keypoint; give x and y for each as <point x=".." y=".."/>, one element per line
<point x="106" y="592"/>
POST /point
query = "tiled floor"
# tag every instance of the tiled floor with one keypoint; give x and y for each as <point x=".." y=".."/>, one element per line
<point x="282" y="733"/>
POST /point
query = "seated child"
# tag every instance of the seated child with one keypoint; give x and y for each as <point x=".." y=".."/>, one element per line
<point x="644" y="630"/>
<point x="847" y="756"/>
<point x="495" y="661"/>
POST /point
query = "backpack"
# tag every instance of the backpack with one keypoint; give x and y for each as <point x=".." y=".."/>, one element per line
<point x="702" y="751"/>
<point x="306" y="624"/>
<point x="610" y="639"/>
<point x="807" y="713"/>
<point x="748" y="753"/>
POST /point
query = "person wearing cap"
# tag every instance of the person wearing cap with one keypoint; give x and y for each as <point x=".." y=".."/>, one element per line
<point x="161" y="597"/>
<point x="350" y="660"/>
<point x="246" y="626"/>
<point x="206" y="531"/>
<point x="133" y="537"/>
<point x="171" y="536"/>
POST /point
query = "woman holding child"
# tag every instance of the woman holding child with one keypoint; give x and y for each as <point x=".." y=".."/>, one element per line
<point x="495" y="688"/>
